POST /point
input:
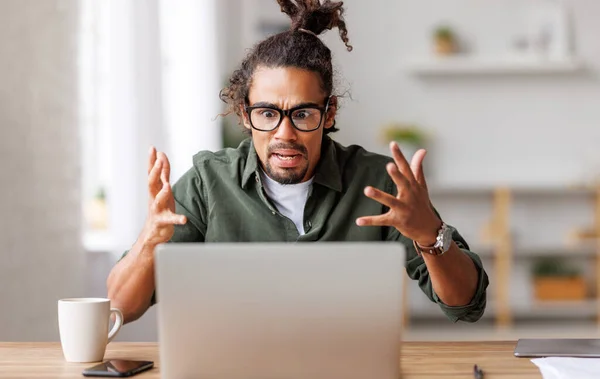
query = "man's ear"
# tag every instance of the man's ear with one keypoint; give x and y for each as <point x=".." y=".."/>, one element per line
<point x="331" y="112"/>
<point x="245" y="118"/>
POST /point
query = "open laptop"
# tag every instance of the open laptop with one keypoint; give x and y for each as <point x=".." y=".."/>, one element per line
<point x="557" y="347"/>
<point x="280" y="311"/>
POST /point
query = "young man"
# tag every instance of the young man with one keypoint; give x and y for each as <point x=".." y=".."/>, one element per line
<point x="291" y="182"/>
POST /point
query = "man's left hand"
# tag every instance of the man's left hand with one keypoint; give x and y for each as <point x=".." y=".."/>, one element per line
<point x="410" y="211"/>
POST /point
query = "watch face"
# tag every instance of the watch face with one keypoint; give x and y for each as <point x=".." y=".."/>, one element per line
<point x="447" y="238"/>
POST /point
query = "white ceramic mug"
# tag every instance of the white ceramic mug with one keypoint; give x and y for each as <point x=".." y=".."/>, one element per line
<point x="83" y="326"/>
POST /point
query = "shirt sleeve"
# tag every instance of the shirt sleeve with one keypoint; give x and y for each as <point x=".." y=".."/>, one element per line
<point x="190" y="201"/>
<point x="417" y="270"/>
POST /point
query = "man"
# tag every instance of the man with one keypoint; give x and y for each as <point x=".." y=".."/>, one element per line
<point x="291" y="182"/>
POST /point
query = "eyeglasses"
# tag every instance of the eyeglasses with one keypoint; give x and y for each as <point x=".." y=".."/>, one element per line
<point x="305" y="118"/>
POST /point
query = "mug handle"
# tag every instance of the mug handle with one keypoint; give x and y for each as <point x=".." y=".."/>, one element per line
<point x="118" y="323"/>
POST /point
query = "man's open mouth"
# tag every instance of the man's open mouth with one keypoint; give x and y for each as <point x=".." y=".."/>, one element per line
<point x="287" y="156"/>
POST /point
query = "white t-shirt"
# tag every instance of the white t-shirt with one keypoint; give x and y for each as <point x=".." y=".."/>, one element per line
<point x="289" y="199"/>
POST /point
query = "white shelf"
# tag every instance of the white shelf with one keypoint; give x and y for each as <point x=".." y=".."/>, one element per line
<point x="553" y="251"/>
<point x="474" y="65"/>
<point x="575" y="309"/>
<point x="548" y="190"/>
<point x="532" y="252"/>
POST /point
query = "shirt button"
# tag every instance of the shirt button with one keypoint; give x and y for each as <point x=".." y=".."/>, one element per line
<point x="273" y="212"/>
<point x="308" y="225"/>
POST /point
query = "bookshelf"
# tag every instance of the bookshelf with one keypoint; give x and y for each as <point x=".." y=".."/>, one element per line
<point x="508" y="241"/>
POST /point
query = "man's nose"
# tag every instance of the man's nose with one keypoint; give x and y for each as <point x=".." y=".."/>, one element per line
<point x="286" y="130"/>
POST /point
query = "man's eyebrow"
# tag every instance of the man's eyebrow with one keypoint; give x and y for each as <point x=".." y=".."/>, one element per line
<point x="264" y="104"/>
<point x="271" y="105"/>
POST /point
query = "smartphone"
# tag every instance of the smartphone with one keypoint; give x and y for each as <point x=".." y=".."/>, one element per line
<point x="118" y="368"/>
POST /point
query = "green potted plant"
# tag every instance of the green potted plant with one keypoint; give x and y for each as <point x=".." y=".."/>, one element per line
<point x="409" y="137"/>
<point x="445" y="41"/>
<point x="553" y="279"/>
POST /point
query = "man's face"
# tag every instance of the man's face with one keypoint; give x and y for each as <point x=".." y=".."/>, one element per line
<point x="287" y="154"/>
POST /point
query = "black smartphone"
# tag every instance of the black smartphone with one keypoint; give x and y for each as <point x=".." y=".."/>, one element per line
<point x="118" y="368"/>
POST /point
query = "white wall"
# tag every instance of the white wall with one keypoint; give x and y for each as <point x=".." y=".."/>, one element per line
<point x="486" y="130"/>
<point x="40" y="250"/>
<point x="231" y="46"/>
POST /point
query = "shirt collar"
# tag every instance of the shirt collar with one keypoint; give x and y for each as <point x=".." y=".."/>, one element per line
<point x="328" y="171"/>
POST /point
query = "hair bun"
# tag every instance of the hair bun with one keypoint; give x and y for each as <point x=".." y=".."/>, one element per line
<point x="315" y="16"/>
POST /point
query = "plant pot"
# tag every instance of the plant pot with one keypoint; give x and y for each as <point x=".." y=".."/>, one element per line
<point x="96" y="214"/>
<point x="560" y="288"/>
<point x="408" y="149"/>
<point x="444" y="46"/>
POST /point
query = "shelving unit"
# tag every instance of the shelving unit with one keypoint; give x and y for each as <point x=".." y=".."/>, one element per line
<point x="596" y="236"/>
<point x="503" y="254"/>
<point x="482" y="65"/>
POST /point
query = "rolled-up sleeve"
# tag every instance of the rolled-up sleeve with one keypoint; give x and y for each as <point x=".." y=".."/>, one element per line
<point x="417" y="270"/>
<point x="474" y="310"/>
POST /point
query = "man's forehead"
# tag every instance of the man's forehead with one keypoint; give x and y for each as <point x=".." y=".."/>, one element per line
<point x="285" y="85"/>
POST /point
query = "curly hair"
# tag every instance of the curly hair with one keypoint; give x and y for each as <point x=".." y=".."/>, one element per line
<point x="298" y="47"/>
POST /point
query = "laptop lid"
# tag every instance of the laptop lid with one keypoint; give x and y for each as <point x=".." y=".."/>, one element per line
<point x="280" y="311"/>
<point x="557" y="347"/>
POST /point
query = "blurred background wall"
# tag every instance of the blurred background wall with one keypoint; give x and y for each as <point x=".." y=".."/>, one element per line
<point x="524" y="129"/>
<point x="41" y="253"/>
<point x="509" y="117"/>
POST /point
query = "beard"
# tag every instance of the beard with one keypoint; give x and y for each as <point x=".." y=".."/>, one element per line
<point x="285" y="175"/>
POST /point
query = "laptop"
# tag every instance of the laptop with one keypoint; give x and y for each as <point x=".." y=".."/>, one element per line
<point x="280" y="310"/>
<point x="557" y="347"/>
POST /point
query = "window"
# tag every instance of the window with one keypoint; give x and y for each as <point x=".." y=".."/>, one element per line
<point x="95" y="109"/>
<point x="149" y="76"/>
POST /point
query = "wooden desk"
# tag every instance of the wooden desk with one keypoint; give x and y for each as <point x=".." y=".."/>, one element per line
<point x="419" y="360"/>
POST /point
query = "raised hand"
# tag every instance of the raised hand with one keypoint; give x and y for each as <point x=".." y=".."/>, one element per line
<point x="161" y="219"/>
<point x="410" y="211"/>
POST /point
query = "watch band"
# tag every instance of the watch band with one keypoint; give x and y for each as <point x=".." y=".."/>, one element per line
<point x="432" y="250"/>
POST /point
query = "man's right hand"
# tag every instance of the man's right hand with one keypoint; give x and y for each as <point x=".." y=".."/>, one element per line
<point x="161" y="219"/>
<point x="131" y="282"/>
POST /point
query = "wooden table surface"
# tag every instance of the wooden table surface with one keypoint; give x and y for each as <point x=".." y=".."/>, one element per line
<point x="419" y="360"/>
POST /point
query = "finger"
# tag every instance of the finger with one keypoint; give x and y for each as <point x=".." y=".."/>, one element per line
<point x="382" y="197"/>
<point x="163" y="197"/>
<point x="170" y="218"/>
<point x="166" y="168"/>
<point x="163" y="177"/>
<point x="151" y="158"/>
<point x="154" y="185"/>
<point x="380" y="220"/>
<point x="401" y="162"/>
<point x="416" y="165"/>
<point x="400" y="180"/>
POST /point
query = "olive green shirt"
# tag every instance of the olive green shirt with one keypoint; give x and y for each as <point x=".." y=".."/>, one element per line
<point x="223" y="198"/>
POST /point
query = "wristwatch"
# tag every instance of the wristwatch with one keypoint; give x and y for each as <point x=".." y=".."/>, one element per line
<point x="442" y="242"/>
